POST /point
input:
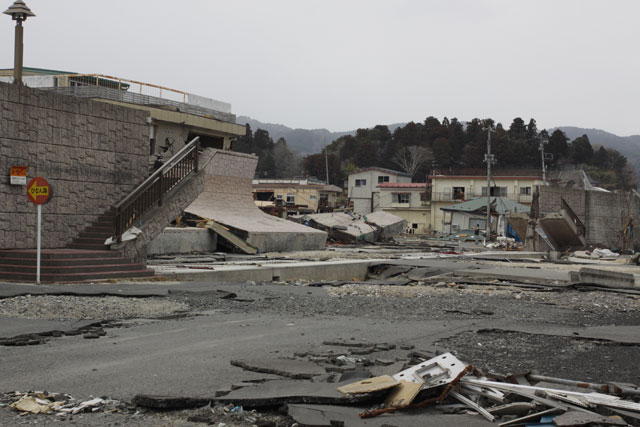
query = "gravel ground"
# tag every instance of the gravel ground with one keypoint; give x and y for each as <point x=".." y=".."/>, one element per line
<point x="55" y="307"/>
<point x="580" y="359"/>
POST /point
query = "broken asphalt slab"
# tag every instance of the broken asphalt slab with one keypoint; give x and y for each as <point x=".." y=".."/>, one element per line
<point x="330" y="415"/>
<point x="15" y="327"/>
<point x="269" y="394"/>
<point x="289" y="368"/>
<point x="128" y="290"/>
<point x="278" y="392"/>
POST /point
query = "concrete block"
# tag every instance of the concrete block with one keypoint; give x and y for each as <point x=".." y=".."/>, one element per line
<point x="609" y="279"/>
<point x="173" y="240"/>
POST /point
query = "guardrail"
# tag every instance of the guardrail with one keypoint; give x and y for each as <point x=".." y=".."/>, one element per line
<point x="151" y="192"/>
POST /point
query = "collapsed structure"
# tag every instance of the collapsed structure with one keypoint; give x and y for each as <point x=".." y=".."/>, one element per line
<point x="98" y="140"/>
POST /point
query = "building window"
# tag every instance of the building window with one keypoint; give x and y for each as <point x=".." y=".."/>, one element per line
<point x="361" y="182"/>
<point x="401" y="197"/>
<point x="525" y="191"/>
<point x="495" y="191"/>
<point x="313" y="198"/>
<point x="458" y="193"/>
<point x="382" y="179"/>
<point x="291" y="198"/>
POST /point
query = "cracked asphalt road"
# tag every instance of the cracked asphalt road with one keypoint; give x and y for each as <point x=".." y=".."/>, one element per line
<point x="566" y="334"/>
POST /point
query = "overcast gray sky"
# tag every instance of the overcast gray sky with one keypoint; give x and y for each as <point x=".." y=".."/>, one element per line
<point x="357" y="63"/>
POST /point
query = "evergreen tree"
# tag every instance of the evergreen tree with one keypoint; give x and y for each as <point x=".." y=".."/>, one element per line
<point x="581" y="150"/>
<point x="558" y="145"/>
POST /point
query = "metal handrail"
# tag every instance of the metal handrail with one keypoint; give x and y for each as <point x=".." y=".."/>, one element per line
<point x="574" y="217"/>
<point x="151" y="192"/>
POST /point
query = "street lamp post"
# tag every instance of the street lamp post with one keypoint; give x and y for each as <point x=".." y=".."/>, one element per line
<point x="19" y="12"/>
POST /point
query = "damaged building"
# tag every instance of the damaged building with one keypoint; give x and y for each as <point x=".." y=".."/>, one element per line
<point x="118" y="157"/>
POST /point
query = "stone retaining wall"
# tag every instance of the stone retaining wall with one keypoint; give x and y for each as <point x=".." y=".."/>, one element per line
<point x="92" y="153"/>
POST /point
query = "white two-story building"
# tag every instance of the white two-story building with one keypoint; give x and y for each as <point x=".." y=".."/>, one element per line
<point x="362" y="189"/>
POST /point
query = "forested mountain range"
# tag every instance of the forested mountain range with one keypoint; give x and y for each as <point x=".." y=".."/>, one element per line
<point x="421" y="147"/>
<point x="302" y="141"/>
<point x="312" y="141"/>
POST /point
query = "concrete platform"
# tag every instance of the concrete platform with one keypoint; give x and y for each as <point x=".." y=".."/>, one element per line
<point x="313" y="271"/>
<point x="183" y="240"/>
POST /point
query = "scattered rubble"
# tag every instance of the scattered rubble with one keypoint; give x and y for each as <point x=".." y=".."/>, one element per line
<point x="348" y="227"/>
<point x="60" y="404"/>
<point x="444" y="384"/>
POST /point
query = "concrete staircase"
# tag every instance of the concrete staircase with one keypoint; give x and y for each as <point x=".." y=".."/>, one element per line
<point x="94" y="236"/>
<point x="67" y="265"/>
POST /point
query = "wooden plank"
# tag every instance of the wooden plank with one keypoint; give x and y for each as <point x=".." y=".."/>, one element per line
<point x="231" y="238"/>
<point x="402" y="394"/>
<point x="369" y="385"/>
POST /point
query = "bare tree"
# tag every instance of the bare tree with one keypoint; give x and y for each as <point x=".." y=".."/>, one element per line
<point x="411" y="158"/>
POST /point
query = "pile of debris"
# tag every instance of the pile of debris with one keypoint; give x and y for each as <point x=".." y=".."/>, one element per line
<point x="349" y="227"/>
<point x="60" y="404"/>
<point x="452" y="384"/>
<point x="332" y="388"/>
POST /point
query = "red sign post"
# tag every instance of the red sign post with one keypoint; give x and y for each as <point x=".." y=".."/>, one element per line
<point x="38" y="192"/>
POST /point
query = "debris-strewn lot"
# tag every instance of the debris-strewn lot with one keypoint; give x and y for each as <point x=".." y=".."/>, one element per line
<point x="362" y="331"/>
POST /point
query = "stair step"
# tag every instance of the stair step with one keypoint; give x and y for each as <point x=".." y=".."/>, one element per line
<point x="95" y="235"/>
<point x="89" y="246"/>
<point x="97" y="229"/>
<point x="88" y="240"/>
<point x="62" y="262"/>
<point x="65" y="253"/>
<point x="76" y="277"/>
<point x="72" y="269"/>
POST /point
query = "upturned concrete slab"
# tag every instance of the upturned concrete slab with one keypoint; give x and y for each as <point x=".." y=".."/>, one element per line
<point x="227" y="199"/>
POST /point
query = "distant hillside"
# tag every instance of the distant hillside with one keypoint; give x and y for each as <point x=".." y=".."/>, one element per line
<point x="302" y="141"/>
<point x="629" y="146"/>
<point x="311" y="141"/>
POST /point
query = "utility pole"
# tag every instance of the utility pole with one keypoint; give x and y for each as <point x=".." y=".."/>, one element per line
<point x="543" y="141"/>
<point x="489" y="160"/>
<point x="326" y="159"/>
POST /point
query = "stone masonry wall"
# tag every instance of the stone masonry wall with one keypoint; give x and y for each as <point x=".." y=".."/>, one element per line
<point x="603" y="214"/>
<point x="92" y="153"/>
<point x="550" y="200"/>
